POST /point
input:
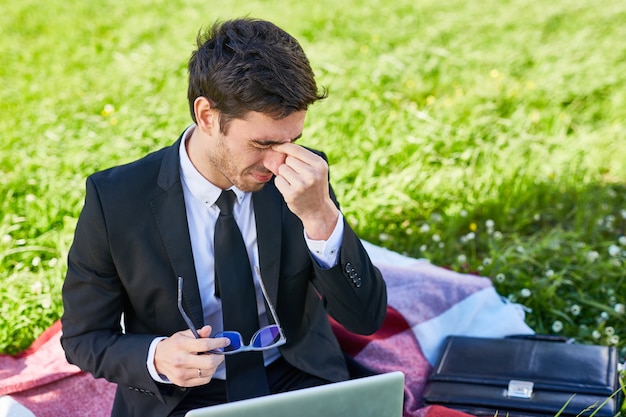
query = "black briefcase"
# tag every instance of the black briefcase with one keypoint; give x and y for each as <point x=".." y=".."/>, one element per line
<point x="525" y="377"/>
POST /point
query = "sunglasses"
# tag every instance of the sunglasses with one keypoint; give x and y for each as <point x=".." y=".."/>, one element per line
<point x="265" y="338"/>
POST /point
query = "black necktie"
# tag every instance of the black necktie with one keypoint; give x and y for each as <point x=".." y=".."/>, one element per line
<point x="245" y="372"/>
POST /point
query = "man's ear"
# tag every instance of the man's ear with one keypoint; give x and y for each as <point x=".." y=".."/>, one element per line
<point x="206" y="114"/>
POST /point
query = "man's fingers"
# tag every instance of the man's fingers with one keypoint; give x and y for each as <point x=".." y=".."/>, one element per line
<point x="298" y="152"/>
<point x="204" y="344"/>
<point x="301" y="165"/>
<point x="207" y="344"/>
<point x="289" y="173"/>
<point x="205" y="331"/>
<point x="290" y="149"/>
<point x="197" y="374"/>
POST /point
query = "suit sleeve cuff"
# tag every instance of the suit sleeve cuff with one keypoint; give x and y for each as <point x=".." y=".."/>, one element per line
<point x="150" y="363"/>
<point x="326" y="252"/>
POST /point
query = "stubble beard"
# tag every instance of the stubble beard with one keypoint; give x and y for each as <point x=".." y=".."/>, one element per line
<point x="224" y="163"/>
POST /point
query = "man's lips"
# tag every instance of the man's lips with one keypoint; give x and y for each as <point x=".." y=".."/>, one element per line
<point x="262" y="177"/>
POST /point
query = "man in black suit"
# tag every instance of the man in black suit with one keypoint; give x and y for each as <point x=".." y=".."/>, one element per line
<point x="149" y="222"/>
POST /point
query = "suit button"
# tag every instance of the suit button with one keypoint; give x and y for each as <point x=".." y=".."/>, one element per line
<point x="353" y="275"/>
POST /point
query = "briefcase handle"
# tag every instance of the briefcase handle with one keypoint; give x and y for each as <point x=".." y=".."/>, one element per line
<point x="544" y="337"/>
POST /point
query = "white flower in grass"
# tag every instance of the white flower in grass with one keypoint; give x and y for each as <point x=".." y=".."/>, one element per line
<point x="614" y="250"/>
<point x="609" y="331"/>
<point x="619" y="308"/>
<point x="614" y="340"/>
<point x="423" y="248"/>
<point x="30" y="198"/>
<point x="520" y="249"/>
<point x="462" y="259"/>
<point x="384" y="237"/>
<point x="108" y="110"/>
<point x="525" y="293"/>
<point x="487" y="261"/>
<point x="463" y="213"/>
<point x="46" y="303"/>
<point x="557" y="326"/>
<point x="549" y="273"/>
<point x="6" y="238"/>
<point x="592" y="256"/>
<point x="610" y="219"/>
<point x="36" y="287"/>
<point x="622" y="212"/>
<point x="575" y="309"/>
<point x="497" y="235"/>
<point x="425" y="228"/>
<point x="466" y="238"/>
<point x="622" y="240"/>
<point x="596" y="334"/>
<point x="36" y="261"/>
<point x="436" y="238"/>
<point x="500" y="277"/>
<point x="490" y="224"/>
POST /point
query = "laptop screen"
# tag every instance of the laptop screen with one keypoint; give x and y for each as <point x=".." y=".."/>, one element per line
<point x="374" y="396"/>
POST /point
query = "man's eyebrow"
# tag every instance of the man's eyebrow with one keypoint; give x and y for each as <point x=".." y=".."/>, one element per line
<point x="270" y="142"/>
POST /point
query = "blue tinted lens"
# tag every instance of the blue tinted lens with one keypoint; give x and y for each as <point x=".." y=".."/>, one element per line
<point x="266" y="336"/>
<point x="235" y="341"/>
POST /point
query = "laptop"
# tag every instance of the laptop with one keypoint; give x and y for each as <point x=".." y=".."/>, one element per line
<point x="373" y="396"/>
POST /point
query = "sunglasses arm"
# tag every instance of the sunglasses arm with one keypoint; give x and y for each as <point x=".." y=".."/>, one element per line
<point x="182" y="310"/>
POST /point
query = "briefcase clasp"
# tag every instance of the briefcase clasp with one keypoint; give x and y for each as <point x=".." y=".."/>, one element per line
<point x="520" y="389"/>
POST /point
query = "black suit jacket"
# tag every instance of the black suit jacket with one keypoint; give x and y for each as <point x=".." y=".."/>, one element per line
<point x="132" y="242"/>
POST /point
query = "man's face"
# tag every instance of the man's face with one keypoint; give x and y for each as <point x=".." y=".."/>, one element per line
<point x="244" y="156"/>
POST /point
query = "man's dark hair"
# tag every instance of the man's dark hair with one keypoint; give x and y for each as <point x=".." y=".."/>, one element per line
<point x="247" y="65"/>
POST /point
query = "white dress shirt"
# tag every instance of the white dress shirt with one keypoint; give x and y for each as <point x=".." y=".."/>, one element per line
<point x="202" y="213"/>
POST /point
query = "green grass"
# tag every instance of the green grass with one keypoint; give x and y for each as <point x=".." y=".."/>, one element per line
<point x="487" y="136"/>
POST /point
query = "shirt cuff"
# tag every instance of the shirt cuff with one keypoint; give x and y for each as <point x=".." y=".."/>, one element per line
<point x="150" y="363"/>
<point x="326" y="252"/>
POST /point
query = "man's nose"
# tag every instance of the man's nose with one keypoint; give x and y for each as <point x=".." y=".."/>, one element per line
<point x="273" y="160"/>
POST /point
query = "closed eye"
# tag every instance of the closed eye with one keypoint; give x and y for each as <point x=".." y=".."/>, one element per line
<point x="266" y="144"/>
<point x="262" y="145"/>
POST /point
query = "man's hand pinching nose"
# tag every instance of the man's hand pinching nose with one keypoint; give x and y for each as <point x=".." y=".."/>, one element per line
<point x="303" y="181"/>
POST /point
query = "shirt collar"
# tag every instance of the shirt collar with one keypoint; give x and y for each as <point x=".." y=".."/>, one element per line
<point x="199" y="187"/>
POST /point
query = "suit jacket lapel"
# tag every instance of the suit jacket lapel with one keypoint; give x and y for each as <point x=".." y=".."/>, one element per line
<point x="267" y="213"/>
<point x="171" y="218"/>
